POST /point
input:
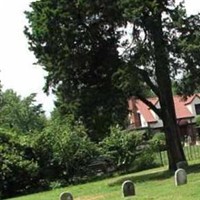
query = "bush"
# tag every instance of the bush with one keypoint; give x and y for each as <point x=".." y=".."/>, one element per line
<point x="145" y="160"/>
<point x="18" y="173"/>
<point x="124" y="147"/>
<point x="158" y="142"/>
<point x="64" y="150"/>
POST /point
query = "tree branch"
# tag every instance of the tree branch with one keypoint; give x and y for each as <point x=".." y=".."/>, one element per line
<point x="151" y="105"/>
<point x="145" y="76"/>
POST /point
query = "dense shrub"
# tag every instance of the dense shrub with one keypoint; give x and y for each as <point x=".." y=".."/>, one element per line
<point x="124" y="147"/>
<point x="18" y="172"/>
<point x="63" y="150"/>
<point x="145" y="160"/>
<point x="158" y="142"/>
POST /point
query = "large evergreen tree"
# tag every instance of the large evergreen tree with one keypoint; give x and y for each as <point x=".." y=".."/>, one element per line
<point x="77" y="44"/>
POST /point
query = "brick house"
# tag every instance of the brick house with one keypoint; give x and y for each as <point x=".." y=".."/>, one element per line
<point x="141" y="116"/>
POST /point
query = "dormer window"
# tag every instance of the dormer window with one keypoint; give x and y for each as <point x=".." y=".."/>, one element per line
<point x="197" y="109"/>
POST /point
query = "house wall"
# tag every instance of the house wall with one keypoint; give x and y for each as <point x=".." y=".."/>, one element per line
<point x="191" y="107"/>
<point x="158" y="124"/>
<point x="154" y="114"/>
<point x="157" y="105"/>
<point x="143" y="121"/>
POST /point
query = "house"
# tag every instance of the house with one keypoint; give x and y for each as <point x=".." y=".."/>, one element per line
<point x="141" y="116"/>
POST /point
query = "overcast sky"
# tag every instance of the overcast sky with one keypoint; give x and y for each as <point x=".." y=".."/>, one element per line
<point x="16" y="61"/>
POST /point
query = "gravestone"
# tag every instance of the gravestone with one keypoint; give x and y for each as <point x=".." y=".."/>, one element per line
<point x="180" y="177"/>
<point x="66" y="196"/>
<point x="128" y="188"/>
<point x="182" y="165"/>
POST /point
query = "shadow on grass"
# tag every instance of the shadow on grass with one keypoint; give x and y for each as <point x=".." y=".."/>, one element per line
<point x="194" y="168"/>
<point x="159" y="175"/>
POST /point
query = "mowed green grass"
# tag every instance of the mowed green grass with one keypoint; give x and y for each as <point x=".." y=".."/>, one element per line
<point x="151" y="184"/>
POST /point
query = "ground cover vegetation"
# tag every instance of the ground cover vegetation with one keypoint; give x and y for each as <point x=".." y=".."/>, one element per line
<point x="157" y="183"/>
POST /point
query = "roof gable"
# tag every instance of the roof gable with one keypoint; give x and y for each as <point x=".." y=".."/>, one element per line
<point x="180" y="107"/>
<point x="190" y="99"/>
<point x="145" y="111"/>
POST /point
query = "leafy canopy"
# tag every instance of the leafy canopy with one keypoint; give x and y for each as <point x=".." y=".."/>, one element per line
<point x="76" y="42"/>
<point x="22" y="115"/>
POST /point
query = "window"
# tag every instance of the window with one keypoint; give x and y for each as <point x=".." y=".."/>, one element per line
<point x="139" y="119"/>
<point x="197" y="109"/>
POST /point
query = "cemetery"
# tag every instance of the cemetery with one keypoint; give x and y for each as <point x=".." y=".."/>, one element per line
<point x="157" y="183"/>
<point x="125" y="125"/>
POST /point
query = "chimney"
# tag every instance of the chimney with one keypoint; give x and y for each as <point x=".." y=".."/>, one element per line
<point x="134" y="115"/>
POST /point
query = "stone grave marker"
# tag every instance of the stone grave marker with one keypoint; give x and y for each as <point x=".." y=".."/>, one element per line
<point x="180" y="177"/>
<point x="66" y="196"/>
<point x="128" y="188"/>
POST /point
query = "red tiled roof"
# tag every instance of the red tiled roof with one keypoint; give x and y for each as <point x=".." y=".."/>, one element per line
<point x="181" y="109"/>
<point x="191" y="98"/>
<point x="153" y="100"/>
<point x="145" y="111"/>
<point x="179" y="103"/>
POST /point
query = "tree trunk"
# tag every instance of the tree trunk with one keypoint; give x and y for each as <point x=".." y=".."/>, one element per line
<point x="174" y="147"/>
<point x="162" y="72"/>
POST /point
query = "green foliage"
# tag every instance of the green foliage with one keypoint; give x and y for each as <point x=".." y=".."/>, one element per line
<point x="55" y="184"/>
<point x="150" y="184"/>
<point x="76" y="42"/>
<point x="21" y="115"/>
<point x="146" y="160"/>
<point x="18" y="172"/>
<point x="63" y="149"/>
<point x="158" y="142"/>
<point x="123" y="147"/>
<point x="198" y="120"/>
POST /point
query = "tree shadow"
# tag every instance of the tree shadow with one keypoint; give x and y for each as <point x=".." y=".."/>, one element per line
<point x="159" y="175"/>
<point x="194" y="168"/>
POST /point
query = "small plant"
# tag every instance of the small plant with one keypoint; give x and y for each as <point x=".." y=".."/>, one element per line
<point x="198" y="120"/>
<point x="158" y="142"/>
<point x="56" y="184"/>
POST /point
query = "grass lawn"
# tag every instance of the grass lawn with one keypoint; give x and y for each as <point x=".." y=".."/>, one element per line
<point x="150" y="184"/>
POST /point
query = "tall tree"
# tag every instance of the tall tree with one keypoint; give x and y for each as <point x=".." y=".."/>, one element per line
<point x="164" y="44"/>
<point x="77" y="43"/>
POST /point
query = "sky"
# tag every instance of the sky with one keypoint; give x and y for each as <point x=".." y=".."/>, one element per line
<point x="17" y="71"/>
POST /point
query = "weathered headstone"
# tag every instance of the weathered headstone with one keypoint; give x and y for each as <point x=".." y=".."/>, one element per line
<point x="66" y="196"/>
<point x="182" y="165"/>
<point x="180" y="177"/>
<point x="128" y="188"/>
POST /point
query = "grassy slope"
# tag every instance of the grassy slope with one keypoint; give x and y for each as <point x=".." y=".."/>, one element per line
<point x="151" y="184"/>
